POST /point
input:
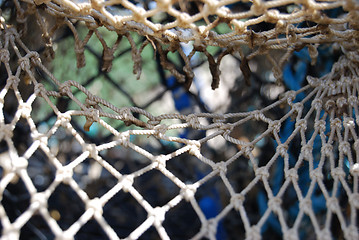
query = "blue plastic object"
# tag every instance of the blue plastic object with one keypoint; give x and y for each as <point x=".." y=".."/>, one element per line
<point x="293" y="77"/>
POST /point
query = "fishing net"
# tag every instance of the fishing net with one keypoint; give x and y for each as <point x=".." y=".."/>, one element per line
<point x="242" y="123"/>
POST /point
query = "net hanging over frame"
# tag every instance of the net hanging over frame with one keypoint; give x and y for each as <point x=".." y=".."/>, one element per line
<point x="270" y="167"/>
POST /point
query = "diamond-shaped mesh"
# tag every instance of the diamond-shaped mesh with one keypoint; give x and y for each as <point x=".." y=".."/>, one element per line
<point x="271" y="153"/>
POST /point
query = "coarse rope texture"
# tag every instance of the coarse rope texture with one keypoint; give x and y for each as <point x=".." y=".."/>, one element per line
<point x="323" y="113"/>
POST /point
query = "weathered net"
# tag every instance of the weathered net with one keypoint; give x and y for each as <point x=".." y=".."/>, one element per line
<point x="285" y="167"/>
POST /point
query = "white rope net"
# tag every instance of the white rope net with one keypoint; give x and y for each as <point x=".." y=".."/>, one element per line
<point x="308" y="183"/>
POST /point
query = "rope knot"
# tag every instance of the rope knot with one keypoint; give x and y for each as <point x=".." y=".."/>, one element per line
<point x="183" y="19"/>
<point x="306" y="152"/>
<point x="316" y="175"/>
<point x="193" y="121"/>
<point x="96" y="205"/>
<point x="239" y="26"/>
<point x="317" y="104"/>
<point x="64" y="118"/>
<point x="65" y="88"/>
<point x="14" y="81"/>
<point x="161" y="129"/>
<point x="320" y="126"/>
<point x="42" y="138"/>
<point x="25" y="109"/>
<point x="35" y="58"/>
<point x="4" y="55"/>
<point x="257" y="7"/>
<point x="247" y="150"/>
<point x="221" y="167"/>
<point x="24" y="63"/>
<point x="338" y="172"/>
<point x="127" y="182"/>
<point x="19" y="163"/>
<point x="158" y="214"/>
<point x="253" y="233"/>
<point x="291" y="34"/>
<point x="341" y="102"/>
<point x="6" y="131"/>
<point x="193" y="149"/>
<point x="292" y="174"/>
<point x="188" y="192"/>
<point x="298" y="107"/>
<point x="332" y="204"/>
<point x="351" y="233"/>
<point x="344" y="147"/>
<point x="329" y="105"/>
<point x="91" y="148"/>
<point x="306" y="205"/>
<point x="97" y="4"/>
<point x="39" y="200"/>
<point x="274" y="204"/>
<point x="275" y="126"/>
<point x="262" y="172"/>
<point x="210" y="8"/>
<point x="291" y="234"/>
<point x="272" y="15"/>
<point x="39" y="89"/>
<point x="336" y="123"/>
<point x="85" y="9"/>
<point x="64" y="175"/>
<point x="10" y="232"/>
<point x="354" y="170"/>
<point x="349" y="122"/>
<point x="257" y="115"/>
<point x="203" y="31"/>
<point x="164" y="5"/>
<point x="290" y="96"/>
<point x="125" y="113"/>
<point x="354" y="200"/>
<point x="237" y="201"/>
<point x="324" y="234"/>
<point x="352" y="101"/>
<point x="160" y="161"/>
<point x="302" y="124"/>
<point x="282" y="149"/>
<point x="124" y="139"/>
<point x="327" y="149"/>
